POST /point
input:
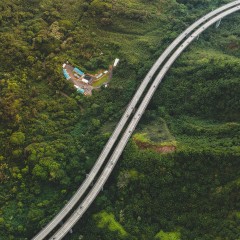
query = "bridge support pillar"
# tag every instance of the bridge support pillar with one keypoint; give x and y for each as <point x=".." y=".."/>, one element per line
<point x="71" y="231"/>
<point x="218" y="23"/>
<point x="198" y="37"/>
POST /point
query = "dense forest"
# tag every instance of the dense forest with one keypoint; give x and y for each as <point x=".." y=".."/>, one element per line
<point x="179" y="176"/>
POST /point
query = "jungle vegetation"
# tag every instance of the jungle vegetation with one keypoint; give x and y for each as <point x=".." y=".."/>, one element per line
<point x="50" y="136"/>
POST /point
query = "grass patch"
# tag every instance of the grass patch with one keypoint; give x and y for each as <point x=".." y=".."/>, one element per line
<point x="142" y="137"/>
<point x="156" y="133"/>
<point x="168" y="235"/>
<point x="101" y="81"/>
<point x="107" y="220"/>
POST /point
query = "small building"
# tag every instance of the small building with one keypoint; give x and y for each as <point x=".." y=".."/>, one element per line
<point x="66" y="75"/>
<point x="78" y="71"/>
<point x="116" y="62"/>
<point x="77" y="76"/>
<point x="79" y="90"/>
<point x="99" y="75"/>
<point x="87" y="79"/>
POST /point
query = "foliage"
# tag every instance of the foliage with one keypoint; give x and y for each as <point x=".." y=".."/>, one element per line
<point x="50" y="136"/>
<point x="17" y="138"/>
<point x="107" y="220"/>
<point x="168" y="236"/>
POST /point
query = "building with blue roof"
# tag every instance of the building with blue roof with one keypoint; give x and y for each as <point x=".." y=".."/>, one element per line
<point x="80" y="90"/>
<point x="66" y="75"/>
<point x="78" y="71"/>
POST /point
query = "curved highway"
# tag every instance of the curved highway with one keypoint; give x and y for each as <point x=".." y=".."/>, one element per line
<point x="101" y="159"/>
<point x="115" y="156"/>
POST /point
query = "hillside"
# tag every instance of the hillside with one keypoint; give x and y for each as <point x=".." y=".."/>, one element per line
<point x="51" y="135"/>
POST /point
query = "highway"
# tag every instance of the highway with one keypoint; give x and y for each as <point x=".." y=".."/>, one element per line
<point x="118" y="150"/>
<point x="98" y="164"/>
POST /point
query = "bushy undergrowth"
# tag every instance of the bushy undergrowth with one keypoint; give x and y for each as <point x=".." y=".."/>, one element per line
<point x="50" y="136"/>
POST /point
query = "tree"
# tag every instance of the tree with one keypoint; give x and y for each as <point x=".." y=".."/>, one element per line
<point x="17" y="138"/>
